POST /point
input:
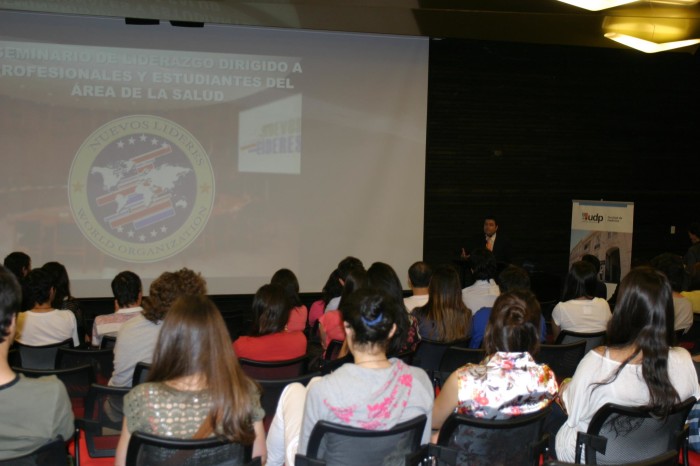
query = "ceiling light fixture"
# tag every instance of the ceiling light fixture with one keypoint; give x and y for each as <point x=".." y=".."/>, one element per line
<point x="648" y="46"/>
<point x="597" y="5"/>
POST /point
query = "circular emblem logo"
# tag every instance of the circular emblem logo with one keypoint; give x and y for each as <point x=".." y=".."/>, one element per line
<point x="141" y="188"/>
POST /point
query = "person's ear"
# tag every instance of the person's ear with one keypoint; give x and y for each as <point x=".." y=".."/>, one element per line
<point x="392" y="331"/>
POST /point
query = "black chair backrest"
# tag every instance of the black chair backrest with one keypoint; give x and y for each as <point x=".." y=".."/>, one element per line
<point x="429" y="353"/>
<point x="562" y="359"/>
<point x="102" y="422"/>
<point x="454" y="358"/>
<point x="333" y="350"/>
<point x="53" y="453"/>
<point x="76" y="379"/>
<point x="140" y="373"/>
<point x="330" y="366"/>
<point x="108" y="341"/>
<point x="622" y="434"/>
<point x="518" y="440"/>
<point x="670" y="458"/>
<point x="150" y="450"/>
<point x="593" y="340"/>
<point x="102" y="361"/>
<point x="271" y="391"/>
<point x="341" y="445"/>
<point x="40" y="357"/>
<point x="272" y="370"/>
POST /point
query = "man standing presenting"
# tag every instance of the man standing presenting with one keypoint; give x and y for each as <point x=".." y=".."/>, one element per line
<point x="495" y="242"/>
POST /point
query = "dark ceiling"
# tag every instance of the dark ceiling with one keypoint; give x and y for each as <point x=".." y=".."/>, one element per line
<point x="530" y="21"/>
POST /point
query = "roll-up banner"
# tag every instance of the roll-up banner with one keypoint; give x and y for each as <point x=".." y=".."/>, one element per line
<point x="604" y="230"/>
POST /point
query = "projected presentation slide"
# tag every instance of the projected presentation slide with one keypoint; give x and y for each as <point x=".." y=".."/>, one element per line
<point x="233" y="151"/>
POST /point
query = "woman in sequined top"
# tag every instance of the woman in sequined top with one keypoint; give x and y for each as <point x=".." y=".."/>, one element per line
<point x="507" y="382"/>
<point x="196" y="387"/>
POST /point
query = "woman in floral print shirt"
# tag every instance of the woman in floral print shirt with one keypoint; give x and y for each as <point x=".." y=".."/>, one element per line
<point x="508" y="382"/>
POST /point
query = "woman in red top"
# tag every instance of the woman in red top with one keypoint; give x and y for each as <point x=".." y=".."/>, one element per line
<point x="270" y="339"/>
<point x="298" y="312"/>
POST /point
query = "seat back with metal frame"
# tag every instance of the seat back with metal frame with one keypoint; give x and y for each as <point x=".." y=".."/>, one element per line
<point x="517" y="440"/>
<point x="40" y="357"/>
<point x="338" y="445"/>
<point x="562" y="359"/>
<point x="150" y="450"/>
<point x="140" y="373"/>
<point x="108" y="341"/>
<point x="76" y="379"/>
<point x="272" y="370"/>
<point x="53" y="453"/>
<point x="272" y="390"/>
<point x="97" y="434"/>
<point x="454" y="358"/>
<point x="622" y="434"/>
<point x="332" y="350"/>
<point x="429" y="353"/>
<point x="593" y="340"/>
<point x="102" y="361"/>
<point x="670" y="458"/>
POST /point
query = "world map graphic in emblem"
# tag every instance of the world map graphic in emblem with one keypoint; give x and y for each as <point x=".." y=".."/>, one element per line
<point x="141" y="188"/>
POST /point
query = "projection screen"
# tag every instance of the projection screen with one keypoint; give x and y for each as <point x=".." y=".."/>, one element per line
<point x="233" y="151"/>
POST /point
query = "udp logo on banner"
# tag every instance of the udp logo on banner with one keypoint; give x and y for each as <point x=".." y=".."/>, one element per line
<point x="141" y="188"/>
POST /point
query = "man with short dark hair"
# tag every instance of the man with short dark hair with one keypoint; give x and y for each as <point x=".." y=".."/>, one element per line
<point x="33" y="411"/>
<point x="128" y="292"/>
<point x="492" y="240"/>
<point x="18" y="263"/>
<point x="419" y="274"/>
<point x="484" y="291"/>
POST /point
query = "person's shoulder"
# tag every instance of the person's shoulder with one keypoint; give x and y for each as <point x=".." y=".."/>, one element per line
<point x="37" y="388"/>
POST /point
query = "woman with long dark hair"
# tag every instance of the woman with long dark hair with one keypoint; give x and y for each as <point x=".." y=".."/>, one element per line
<point x="195" y="370"/>
<point x="298" y="313"/>
<point x="639" y="367"/>
<point x="445" y="317"/>
<point x="579" y="310"/>
<point x="270" y="340"/>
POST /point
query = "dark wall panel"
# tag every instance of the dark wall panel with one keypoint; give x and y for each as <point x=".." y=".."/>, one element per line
<point x="519" y="130"/>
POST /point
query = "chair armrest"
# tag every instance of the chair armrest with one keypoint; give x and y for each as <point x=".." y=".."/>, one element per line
<point x="302" y="460"/>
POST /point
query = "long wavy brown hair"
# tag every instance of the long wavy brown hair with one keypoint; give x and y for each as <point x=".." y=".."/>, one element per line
<point x="194" y="341"/>
<point x="445" y="308"/>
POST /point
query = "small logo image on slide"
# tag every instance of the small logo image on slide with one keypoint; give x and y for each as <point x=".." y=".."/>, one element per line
<point x="141" y="188"/>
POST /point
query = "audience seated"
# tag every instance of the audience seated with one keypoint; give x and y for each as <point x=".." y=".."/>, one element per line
<point x="484" y="291"/>
<point x="62" y="298"/>
<point x="578" y="310"/>
<point x="42" y="324"/>
<point x="511" y="278"/>
<point x="331" y="323"/>
<point x="127" y="291"/>
<point x="638" y="368"/>
<point x="194" y="369"/>
<point x="508" y="382"/>
<point x="672" y="266"/>
<point x="270" y="339"/>
<point x="33" y="411"/>
<point x="298" y="313"/>
<point x="406" y="338"/>
<point x="419" y="274"/>
<point x="445" y="318"/>
<point x="372" y="393"/>
<point x="601" y="291"/>
<point x="137" y="338"/>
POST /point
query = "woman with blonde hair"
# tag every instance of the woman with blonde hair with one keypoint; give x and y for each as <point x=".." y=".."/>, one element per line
<point x="196" y="372"/>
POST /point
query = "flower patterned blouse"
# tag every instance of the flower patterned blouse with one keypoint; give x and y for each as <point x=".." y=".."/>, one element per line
<point x="505" y="385"/>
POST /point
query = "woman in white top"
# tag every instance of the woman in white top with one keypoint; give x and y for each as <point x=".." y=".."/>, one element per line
<point x="638" y="368"/>
<point x="579" y="311"/>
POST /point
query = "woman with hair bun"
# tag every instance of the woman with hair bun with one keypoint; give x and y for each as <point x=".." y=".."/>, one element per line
<point x="508" y="382"/>
<point x="639" y="367"/>
<point x="374" y="392"/>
